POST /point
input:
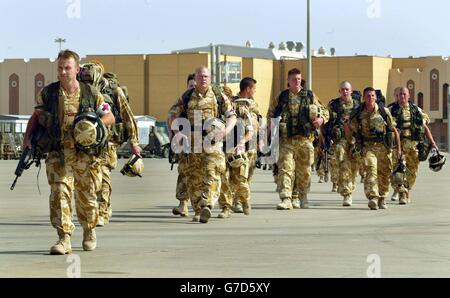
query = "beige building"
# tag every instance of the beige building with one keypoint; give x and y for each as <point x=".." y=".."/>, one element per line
<point x="155" y="81"/>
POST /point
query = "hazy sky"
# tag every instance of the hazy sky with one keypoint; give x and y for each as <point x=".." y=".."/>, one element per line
<point x="400" y="28"/>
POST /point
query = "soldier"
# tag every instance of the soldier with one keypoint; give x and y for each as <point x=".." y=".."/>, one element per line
<point x="394" y="196"/>
<point x="181" y="190"/>
<point x="59" y="105"/>
<point x="301" y="113"/>
<point x="411" y="123"/>
<point x="203" y="106"/>
<point x="124" y="130"/>
<point x="346" y="165"/>
<point x="241" y="161"/>
<point x="374" y="130"/>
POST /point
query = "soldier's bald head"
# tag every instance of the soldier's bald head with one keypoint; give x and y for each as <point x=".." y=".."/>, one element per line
<point x="202" y="69"/>
<point x="202" y="78"/>
<point x="345" y="84"/>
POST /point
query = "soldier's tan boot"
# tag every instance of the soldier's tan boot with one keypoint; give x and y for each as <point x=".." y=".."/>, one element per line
<point x="205" y="214"/>
<point x="382" y="203"/>
<point x="246" y="208"/>
<point x="373" y="204"/>
<point x="196" y="217"/>
<point x="304" y="204"/>
<point x="226" y="213"/>
<point x="62" y="247"/>
<point x="296" y="203"/>
<point x="347" y="202"/>
<point x="101" y="221"/>
<point x="403" y="199"/>
<point x="181" y="209"/>
<point x="89" y="240"/>
<point x="334" y="188"/>
<point x="395" y="196"/>
<point x="285" y="204"/>
<point x="237" y="208"/>
<point x="321" y="179"/>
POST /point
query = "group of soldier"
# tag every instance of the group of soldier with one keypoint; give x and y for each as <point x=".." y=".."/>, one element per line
<point x="382" y="143"/>
<point x="81" y="120"/>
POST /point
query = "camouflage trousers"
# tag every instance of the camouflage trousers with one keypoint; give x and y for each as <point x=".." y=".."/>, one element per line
<point x="181" y="190"/>
<point x="294" y="166"/>
<point x="235" y="186"/>
<point x="80" y="175"/>
<point x="378" y="169"/>
<point x="204" y="178"/>
<point x="346" y="167"/>
<point x="411" y="156"/>
<point x="252" y="156"/>
<point x="334" y="160"/>
<point x="109" y="163"/>
<point x="361" y="168"/>
<point x="321" y="171"/>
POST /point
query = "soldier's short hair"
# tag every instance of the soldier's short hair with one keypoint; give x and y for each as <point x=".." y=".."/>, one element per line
<point x="294" y="71"/>
<point x="190" y="77"/>
<point x="368" y="89"/>
<point x="66" y="54"/>
<point x="246" y="82"/>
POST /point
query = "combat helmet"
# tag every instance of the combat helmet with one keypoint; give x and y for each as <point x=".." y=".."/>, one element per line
<point x="236" y="160"/>
<point x="91" y="73"/>
<point x="89" y="132"/>
<point x="398" y="175"/>
<point x="436" y="161"/>
<point x="134" y="167"/>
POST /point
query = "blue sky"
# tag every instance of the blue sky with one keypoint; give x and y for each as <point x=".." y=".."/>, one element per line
<point x="399" y="28"/>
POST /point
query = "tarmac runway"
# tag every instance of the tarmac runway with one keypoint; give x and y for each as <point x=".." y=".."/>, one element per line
<point x="144" y="239"/>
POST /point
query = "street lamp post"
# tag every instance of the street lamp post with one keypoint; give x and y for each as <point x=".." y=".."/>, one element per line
<point x="60" y="41"/>
<point x="308" y="47"/>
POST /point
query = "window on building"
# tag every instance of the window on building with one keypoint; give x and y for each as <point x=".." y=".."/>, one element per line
<point x="420" y="100"/>
<point x="231" y="71"/>
<point x="14" y="94"/>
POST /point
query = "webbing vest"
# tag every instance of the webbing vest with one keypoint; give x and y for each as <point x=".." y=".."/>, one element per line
<point x="415" y="124"/>
<point x="336" y="125"/>
<point x="50" y="97"/>
<point x="373" y="137"/>
<point x="303" y="127"/>
<point x="217" y="90"/>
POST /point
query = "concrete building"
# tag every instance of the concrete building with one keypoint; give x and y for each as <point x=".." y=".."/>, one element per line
<point x="155" y="81"/>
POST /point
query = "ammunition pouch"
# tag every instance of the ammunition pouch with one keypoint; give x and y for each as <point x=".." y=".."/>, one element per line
<point x="303" y="128"/>
<point x="46" y="119"/>
<point x="389" y="139"/>
<point x="423" y="150"/>
<point x="337" y="133"/>
<point x="119" y="133"/>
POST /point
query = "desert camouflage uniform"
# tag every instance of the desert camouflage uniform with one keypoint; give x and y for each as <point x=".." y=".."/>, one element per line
<point x="205" y="167"/>
<point x="296" y="154"/>
<point x="377" y="158"/>
<point x="72" y="172"/>
<point x="409" y="150"/>
<point x="181" y="192"/>
<point x="235" y="184"/>
<point x="109" y="160"/>
<point x="345" y="165"/>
